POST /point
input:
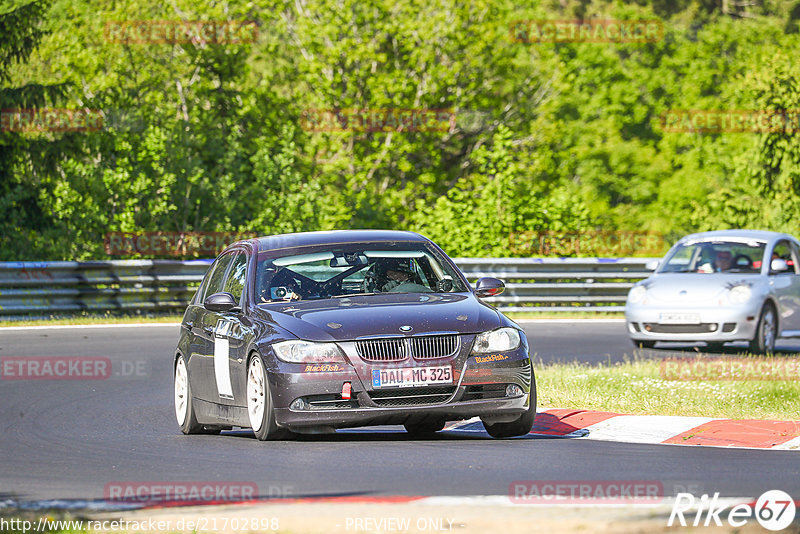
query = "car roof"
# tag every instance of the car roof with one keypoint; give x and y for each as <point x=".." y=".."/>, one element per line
<point x="334" y="237"/>
<point x="760" y="235"/>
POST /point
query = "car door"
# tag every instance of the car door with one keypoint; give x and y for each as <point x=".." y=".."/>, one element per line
<point x="232" y="333"/>
<point x="786" y="287"/>
<point x="201" y="365"/>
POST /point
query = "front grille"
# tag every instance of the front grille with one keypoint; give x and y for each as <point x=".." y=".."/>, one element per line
<point x="701" y="328"/>
<point x="383" y="350"/>
<point x="431" y="347"/>
<point x="484" y="392"/>
<point x="398" y="349"/>
<point x="412" y="396"/>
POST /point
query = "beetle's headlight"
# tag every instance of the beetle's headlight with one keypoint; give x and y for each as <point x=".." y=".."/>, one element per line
<point x="636" y="294"/>
<point x="499" y="340"/>
<point x="739" y="294"/>
<point x="299" y="351"/>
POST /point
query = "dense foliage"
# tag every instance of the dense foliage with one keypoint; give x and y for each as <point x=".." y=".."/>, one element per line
<point x="205" y="136"/>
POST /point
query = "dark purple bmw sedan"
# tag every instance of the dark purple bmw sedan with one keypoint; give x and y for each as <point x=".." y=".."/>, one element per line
<point x="309" y="332"/>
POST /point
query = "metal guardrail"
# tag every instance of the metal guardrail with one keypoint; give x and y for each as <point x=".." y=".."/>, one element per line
<point x="559" y="284"/>
<point x="98" y="286"/>
<point x="532" y="284"/>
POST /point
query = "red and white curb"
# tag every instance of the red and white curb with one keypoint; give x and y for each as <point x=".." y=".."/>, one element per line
<point x="657" y="429"/>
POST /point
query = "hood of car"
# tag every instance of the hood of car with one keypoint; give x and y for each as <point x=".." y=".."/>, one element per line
<point x="693" y="288"/>
<point x="345" y="319"/>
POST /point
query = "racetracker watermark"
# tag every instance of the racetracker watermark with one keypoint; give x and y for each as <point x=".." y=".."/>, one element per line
<point x="730" y="369"/>
<point x="71" y="368"/>
<point x="56" y="368"/>
<point x="586" y="492"/>
<point x="590" y="243"/>
<point x="180" y="32"/>
<point x="171" y="243"/>
<point x="774" y="510"/>
<point x="50" y="120"/>
<point x="378" y="120"/>
<point x="185" y="493"/>
<point x="711" y="121"/>
<point x="586" y="31"/>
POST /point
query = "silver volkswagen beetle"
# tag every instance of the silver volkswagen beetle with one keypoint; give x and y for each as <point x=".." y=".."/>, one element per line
<point x="728" y="285"/>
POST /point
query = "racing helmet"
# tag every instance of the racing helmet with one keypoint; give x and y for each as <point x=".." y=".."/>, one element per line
<point x="401" y="265"/>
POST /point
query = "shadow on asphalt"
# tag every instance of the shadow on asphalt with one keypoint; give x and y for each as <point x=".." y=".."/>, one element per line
<point x="546" y="426"/>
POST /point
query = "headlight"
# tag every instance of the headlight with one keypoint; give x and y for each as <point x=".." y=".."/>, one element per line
<point x="739" y="294"/>
<point x="499" y="340"/>
<point x="637" y="294"/>
<point x="299" y="351"/>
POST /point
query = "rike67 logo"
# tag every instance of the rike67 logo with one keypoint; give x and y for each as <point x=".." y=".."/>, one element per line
<point x="774" y="510"/>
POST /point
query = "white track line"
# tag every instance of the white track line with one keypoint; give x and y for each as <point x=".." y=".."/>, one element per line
<point x="643" y="428"/>
<point x="791" y="445"/>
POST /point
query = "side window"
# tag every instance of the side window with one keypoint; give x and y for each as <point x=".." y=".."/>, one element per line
<point x="217" y="276"/>
<point x="237" y="276"/>
<point x="795" y="258"/>
<point x="784" y="252"/>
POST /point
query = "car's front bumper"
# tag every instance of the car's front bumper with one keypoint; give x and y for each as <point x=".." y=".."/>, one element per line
<point x="479" y="388"/>
<point x="716" y="324"/>
<point x="353" y="417"/>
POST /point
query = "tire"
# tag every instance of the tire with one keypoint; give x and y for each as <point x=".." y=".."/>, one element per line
<point x="643" y="344"/>
<point x="184" y="408"/>
<point x="260" y="408"/>
<point x="763" y="341"/>
<point x="520" y="427"/>
<point x="427" y="428"/>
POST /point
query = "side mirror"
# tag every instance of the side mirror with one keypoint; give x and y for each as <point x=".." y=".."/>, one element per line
<point x="489" y="287"/>
<point x="219" y="302"/>
<point x="778" y="265"/>
<point x="652" y="265"/>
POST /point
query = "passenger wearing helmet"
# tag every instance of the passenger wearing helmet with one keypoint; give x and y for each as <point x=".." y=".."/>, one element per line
<point x="396" y="271"/>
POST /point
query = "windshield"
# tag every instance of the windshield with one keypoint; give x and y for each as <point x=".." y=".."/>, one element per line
<point x="312" y="273"/>
<point x="715" y="257"/>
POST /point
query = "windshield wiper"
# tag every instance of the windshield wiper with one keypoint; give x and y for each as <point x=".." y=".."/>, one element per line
<point x="352" y="295"/>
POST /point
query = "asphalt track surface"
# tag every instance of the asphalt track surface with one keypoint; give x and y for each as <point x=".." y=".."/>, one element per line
<point x="68" y="439"/>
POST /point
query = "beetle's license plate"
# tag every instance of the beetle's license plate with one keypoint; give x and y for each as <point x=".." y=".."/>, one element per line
<point x="679" y="318"/>
<point x="411" y="377"/>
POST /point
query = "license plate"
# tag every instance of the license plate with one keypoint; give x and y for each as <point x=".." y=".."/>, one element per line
<point x="411" y="377"/>
<point x="679" y="318"/>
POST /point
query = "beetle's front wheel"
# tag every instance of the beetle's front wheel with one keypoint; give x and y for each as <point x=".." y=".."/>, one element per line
<point x="763" y="341"/>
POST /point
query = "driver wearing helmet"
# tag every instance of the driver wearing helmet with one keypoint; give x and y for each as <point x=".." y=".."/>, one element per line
<point x="396" y="271"/>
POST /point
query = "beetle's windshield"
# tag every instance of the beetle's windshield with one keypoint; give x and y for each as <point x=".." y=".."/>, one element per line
<point x="311" y="273"/>
<point x="715" y="257"/>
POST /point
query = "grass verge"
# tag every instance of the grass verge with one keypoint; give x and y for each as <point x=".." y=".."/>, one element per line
<point x="640" y="387"/>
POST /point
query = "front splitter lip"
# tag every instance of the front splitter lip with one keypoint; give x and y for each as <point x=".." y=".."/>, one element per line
<point x="345" y="418"/>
